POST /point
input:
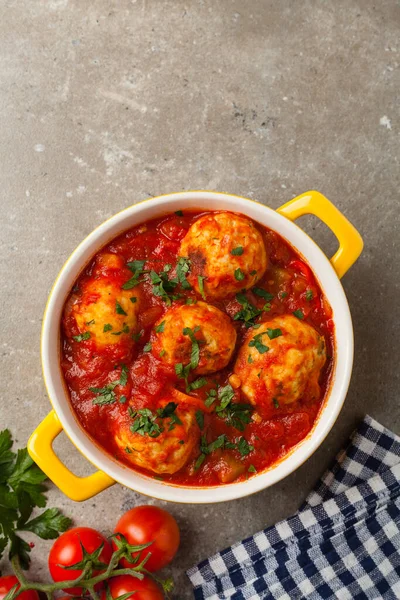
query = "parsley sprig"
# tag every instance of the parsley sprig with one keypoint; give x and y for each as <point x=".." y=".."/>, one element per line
<point x="21" y="490"/>
<point x="136" y="267"/>
<point x="106" y="394"/>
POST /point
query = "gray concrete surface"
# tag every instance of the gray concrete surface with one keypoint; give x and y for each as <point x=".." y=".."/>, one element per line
<point x="104" y="103"/>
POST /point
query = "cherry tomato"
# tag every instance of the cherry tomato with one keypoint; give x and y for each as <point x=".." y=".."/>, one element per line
<point x="145" y="524"/>
<point x="144" y="589"/>
<point x="67" y="551"/>
<point x="8" y="582"/>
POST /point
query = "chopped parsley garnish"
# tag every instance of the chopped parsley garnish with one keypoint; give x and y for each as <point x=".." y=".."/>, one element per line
<point x="136" y="267"/>
<point x="136" y="336"/>
<point x="198" y="383"/>
<point x="163" y="353"/>
<point x="263" y="294"/>
<point x="210" y="398"/>
<point x="257" y="343"/>
<point x="190" y="301"/>
<point x="238" y="251"/>
<point x="237" y="415"/>
<point x="179" y="213"/>
<point x="239" y="275"/>
<point x="147" y="347"/>
<point x="244" y="447"/>
<point x="283" y="295"/>
<point x="133" y="299"/>
<point x="309" y="295"/>
<point x="82" y="336"/>
<point x="195" y="353"/>
<point x="252" y="469"/>
<point x="182" y="269"/>
<point x="274" y="333"/>
<point x="250" y="359"/>
<point x="145" y="421"/>
<point x="199" y="461"/>
<point x="160" y="327"/>
<point x="107" y="327"/>
<point x="106" y="394"/>
<point x="222" y="441"/>
<point x="248" y="313"/>
<point x="200" y="281"/>
<point x="123" y="399"/>
<point x="163" y="286"/>
<point x="119" y="310"/>
<point x="275" y="402"/>
<point x="299" y="314"/>
<point x="125" y="329"/>
<point x="200" y="418"/>
<point x="92" y="322"/>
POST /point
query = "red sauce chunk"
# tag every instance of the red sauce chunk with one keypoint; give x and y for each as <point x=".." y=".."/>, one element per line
<point x="197" y="348"/>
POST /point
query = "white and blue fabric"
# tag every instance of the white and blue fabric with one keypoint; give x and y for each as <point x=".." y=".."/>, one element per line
<point x="343" y="543"/>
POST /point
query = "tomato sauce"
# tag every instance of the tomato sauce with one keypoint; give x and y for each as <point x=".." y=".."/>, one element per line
<point x="85" y="365"/>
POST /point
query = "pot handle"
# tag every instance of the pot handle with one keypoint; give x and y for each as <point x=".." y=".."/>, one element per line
<point x="350" y="241"/>
<point x="40" y="448"/>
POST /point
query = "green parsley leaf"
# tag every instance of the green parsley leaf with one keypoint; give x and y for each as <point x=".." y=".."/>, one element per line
<point x="309" y="295"/>
<point x="200" y="418"/>
<point x="190" y="301"/>
<point x="179" y="213"/>
<point x="252" y="469"/>
<point x="263" y="294"/>
<point x="274" y="333"/>
<point x="198" y="383"/>
<point x="195" y="353"/>
<point x="239" y="275"/>
<point x="82" y="336"/>
<point x="107" y="327"/>
<point x="163" y="353"/>
<point x="299" y="314"/>
<point x="106" y="394"/>
<point x="283" y="295"/>
<point x="136" y="267"/>
<point x="119" y="310"/>
<point x="163" y="286"/>
<point x="275" y="402"/>
<point x="136" y="336"/>
<point x="147" y="347"/>
<point x="248" y="313"/>
<point x="244" y="447"/>
<point x="210" y="398"/>
<point x="92" y="322"/>
<point x="133" y="299"/>
<point x="200" y="281"/>
<point x="48" y="525"/>
<point x="199" y="461"/>
<point x="253" y="272"/>
<point x="238" y="251"/>
<point x="160" y="327"/>
<point x="125" y="329"/>
<point x="123" y="399"/>
<point x="258" y="344"/>
<point x="182" y="269"/>
<point x="236" y="415"/>
<point x="250" y="359"/>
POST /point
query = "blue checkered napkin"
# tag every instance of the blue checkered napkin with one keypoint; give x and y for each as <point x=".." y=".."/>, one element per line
<point x="344" y="542"/>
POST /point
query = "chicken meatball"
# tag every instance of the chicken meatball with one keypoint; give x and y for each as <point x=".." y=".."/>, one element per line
<point x="226" y="253"/>
<point x="173" y="335"/>
<point x="170" y="443"/>
<point x="106" y="311"/>
<point x="280" y="362"/>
